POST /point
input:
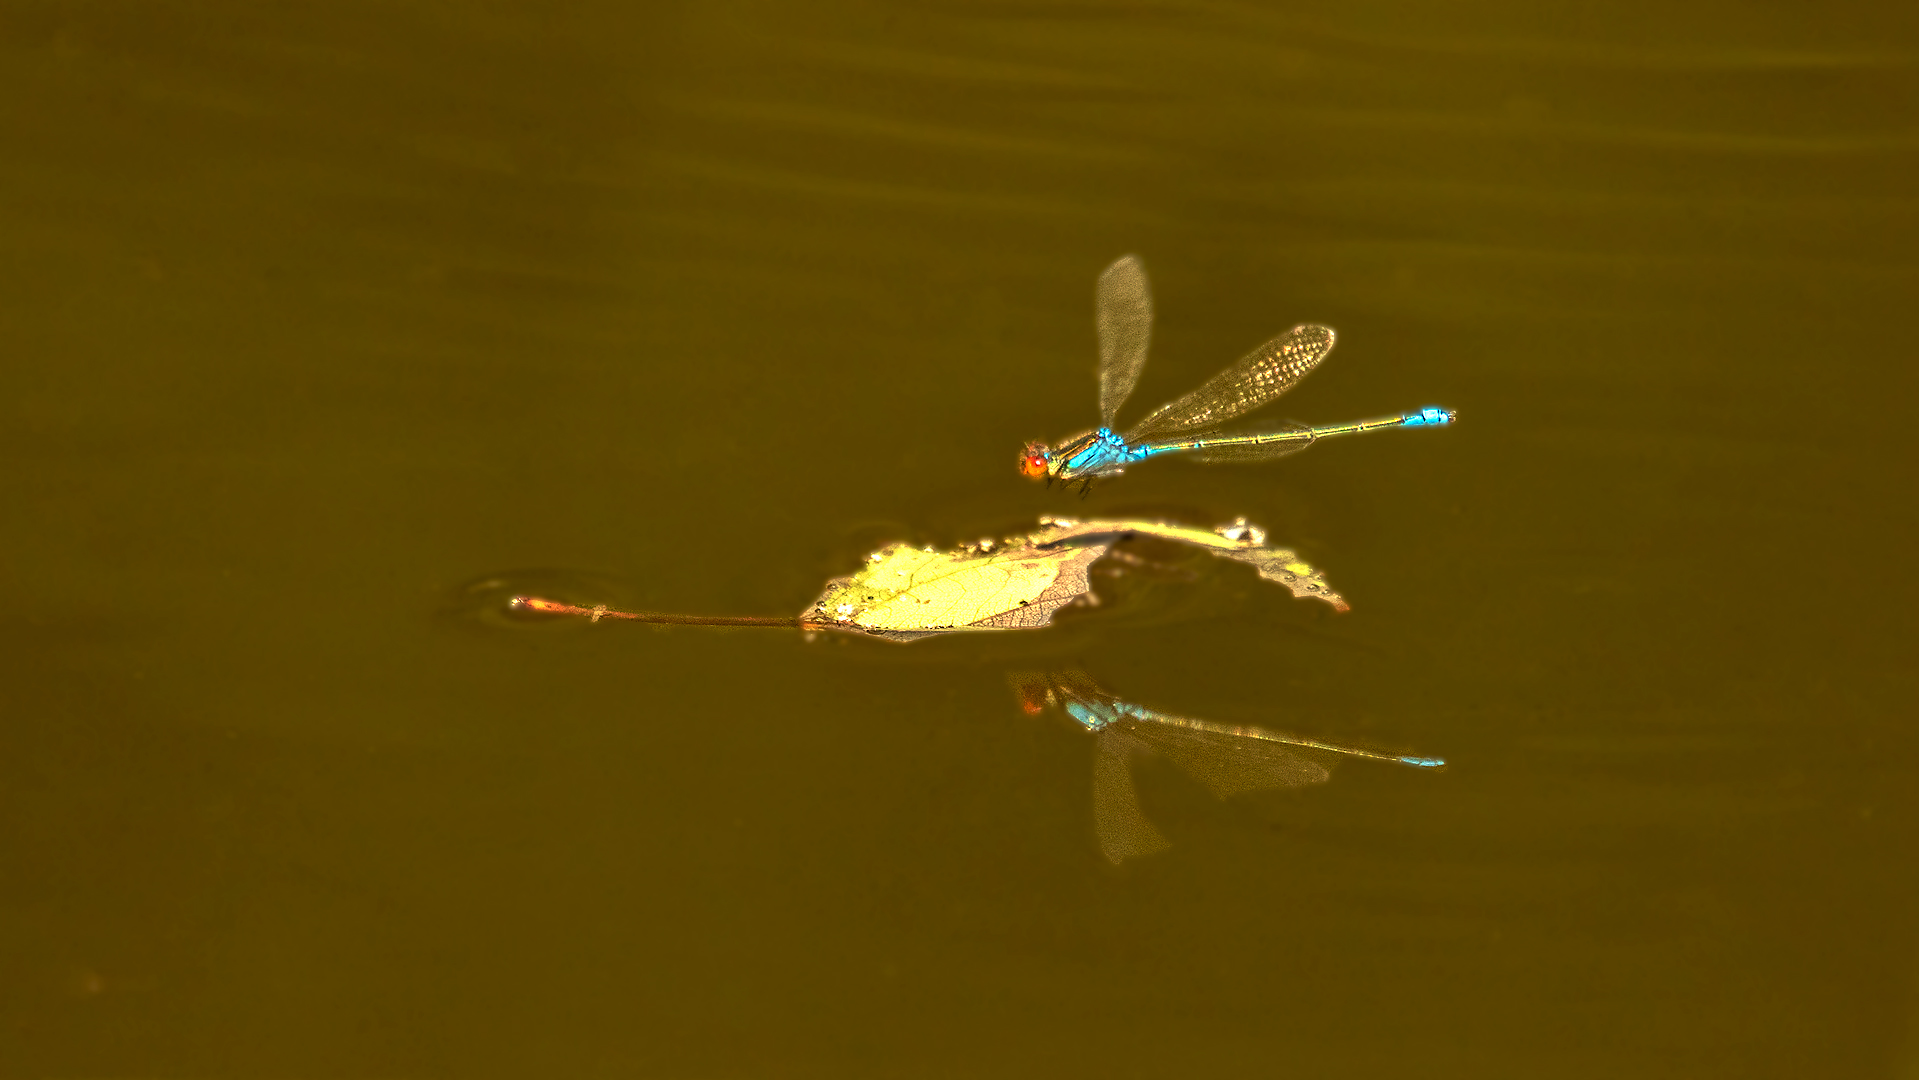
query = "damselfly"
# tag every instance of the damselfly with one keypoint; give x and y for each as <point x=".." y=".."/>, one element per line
<point x="1124" y="314"/>
<point x="1227" y="759"/>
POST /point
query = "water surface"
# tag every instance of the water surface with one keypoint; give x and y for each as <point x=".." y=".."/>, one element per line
<point x="313" y="318"/>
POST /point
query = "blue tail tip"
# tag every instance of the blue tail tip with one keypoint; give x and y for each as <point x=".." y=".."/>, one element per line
<point x="1431" y="416"/>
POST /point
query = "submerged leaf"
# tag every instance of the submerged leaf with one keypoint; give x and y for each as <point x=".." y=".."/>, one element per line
<point x="1239" y="541"/>
<point x="905" y="593"/>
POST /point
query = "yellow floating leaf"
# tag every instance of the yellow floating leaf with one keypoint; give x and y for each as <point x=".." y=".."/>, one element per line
<point x="905" y="592"/>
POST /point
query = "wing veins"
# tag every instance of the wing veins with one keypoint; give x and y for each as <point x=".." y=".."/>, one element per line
<point x="1254" y="380"/>
<point x="1123" y="315"/>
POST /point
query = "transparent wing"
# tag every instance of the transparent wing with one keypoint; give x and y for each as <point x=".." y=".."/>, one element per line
<point x="1228" y="760"/>
<point x="1273" y="442"/>
<point x="1123" y="311"/>
<point x="1122" y="828"/>
<point x="1258" y="377"/>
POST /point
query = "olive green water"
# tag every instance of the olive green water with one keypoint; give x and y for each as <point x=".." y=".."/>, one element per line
<point x="309" y="319"/>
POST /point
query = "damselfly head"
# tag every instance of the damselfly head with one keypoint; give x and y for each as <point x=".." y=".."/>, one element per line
<point x="1035" y="692"/>
<point x="1034" y="700"/>
<point x="1036" y="461"/>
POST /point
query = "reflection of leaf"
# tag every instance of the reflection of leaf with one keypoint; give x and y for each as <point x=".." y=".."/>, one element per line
<point x="905" y="593"/>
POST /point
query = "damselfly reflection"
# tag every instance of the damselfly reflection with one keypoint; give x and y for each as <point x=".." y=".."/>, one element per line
<point x="1124" y="316"/>
<point x="1226" y="758"/>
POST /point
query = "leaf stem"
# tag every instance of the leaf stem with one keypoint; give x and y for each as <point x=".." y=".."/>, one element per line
<point x="601" y="611"/>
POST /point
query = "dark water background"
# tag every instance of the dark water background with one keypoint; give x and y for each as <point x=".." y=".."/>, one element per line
<point x="313" y="314"/>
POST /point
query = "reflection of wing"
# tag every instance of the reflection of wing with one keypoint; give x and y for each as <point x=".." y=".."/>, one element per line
<point x="1124" y="833"/>
<point x="1124" y="314"/>
<point x="1258" y="377"/>
<point x="1227" y="760"/>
